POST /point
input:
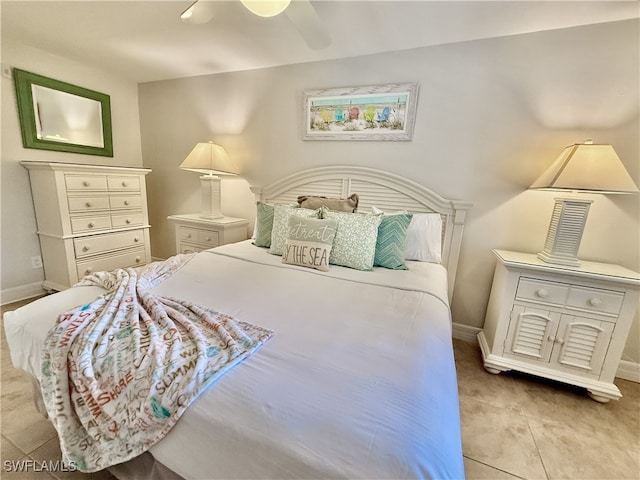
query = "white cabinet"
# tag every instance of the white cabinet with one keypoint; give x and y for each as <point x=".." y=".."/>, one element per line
<point x="563" y="323"/>
<point x="90" y="218"/>
<point x="194" y="234"/>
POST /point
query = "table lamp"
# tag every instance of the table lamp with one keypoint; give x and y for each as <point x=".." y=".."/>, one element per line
<point x="211" y="160"/>
<point x="582" y="167"/>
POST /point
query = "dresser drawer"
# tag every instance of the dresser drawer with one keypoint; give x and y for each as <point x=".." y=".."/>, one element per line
<point x="542" y="291"/>
<point x="88" y="204"/>
<point x="124" y="183"/>
<point x="86" y="182"/>
<point x="125" y="201"/>
<point x="97" y="244"/>
<point x="595" y="300"/>
<point x="210" y="239"/>
<point x="126" y="220"/>
<point x="130" y="258"/>
<point x="90" y="224"/>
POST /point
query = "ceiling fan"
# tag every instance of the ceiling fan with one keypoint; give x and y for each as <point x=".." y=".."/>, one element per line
<point x="300" y="12"/>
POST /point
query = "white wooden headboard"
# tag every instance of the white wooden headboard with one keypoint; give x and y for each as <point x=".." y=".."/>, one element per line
<point x="384" y="190"/>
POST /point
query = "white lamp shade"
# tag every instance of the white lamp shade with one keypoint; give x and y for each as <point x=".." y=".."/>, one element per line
<point x="588" y="168"/>
<point x="209" y="159"/>
<point x="266" y="8"/>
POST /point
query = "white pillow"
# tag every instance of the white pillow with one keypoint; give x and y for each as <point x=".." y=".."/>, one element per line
<point x="424" y="238"/>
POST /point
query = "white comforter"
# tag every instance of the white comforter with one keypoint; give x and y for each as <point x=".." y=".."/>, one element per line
<point x="357" y="382"/>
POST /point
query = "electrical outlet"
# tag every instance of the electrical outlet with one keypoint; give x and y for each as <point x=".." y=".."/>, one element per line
<point x="6" y="71"/>
<point x="36" y="262"/>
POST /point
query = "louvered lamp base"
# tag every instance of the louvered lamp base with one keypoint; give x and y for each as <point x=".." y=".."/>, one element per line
<point x="565" y="231"/>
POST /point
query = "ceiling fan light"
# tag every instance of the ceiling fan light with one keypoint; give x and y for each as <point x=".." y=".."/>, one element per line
<point x="266" y="8"/>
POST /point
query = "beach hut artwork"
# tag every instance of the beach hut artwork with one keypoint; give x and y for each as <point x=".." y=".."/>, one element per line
<point x="381" y="112"/>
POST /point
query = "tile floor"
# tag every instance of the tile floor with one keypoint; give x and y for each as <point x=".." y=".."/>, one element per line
<point x="513" y="426"/>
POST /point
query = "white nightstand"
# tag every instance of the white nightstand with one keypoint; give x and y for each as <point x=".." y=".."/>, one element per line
<point x="562" y="323"/>
<point x="194" y="234"/>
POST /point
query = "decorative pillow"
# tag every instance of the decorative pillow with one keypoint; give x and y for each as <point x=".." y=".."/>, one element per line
<point x="348" y="204"/>
<point x="355" y="242"/>
<point x="424" y="238"/>
<point x="309" y="242"/>
<point x="281" y="214"/>
<point x="264" y="225"/>
<point x="392" y="241"/>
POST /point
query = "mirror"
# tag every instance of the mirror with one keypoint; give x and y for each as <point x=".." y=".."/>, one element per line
<point x="55" y="115"/>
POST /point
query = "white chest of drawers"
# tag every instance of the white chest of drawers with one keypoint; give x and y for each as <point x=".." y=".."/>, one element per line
<point x="563" y="323"/>
<point x="194" y="234"/>
<point x="90" y="218"/>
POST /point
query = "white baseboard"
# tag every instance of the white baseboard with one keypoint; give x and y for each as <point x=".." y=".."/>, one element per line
<point x="629" y="371"/>
<point x="15" y="294"/>
<point x="465" y="333"/>
<point x="626" y="370"/>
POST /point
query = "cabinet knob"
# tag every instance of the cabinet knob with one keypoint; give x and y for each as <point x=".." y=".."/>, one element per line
<point x="138" y="259"/>
<point x="136" y="239"/>
<point x="85" y="184"/>
<point x="85" y="248"/>
<point x="126" y="202"/>
<point x="91" y="225"/>
<point x="88" y="204"/>
<point x="88" y="271"/>
<point x="551" y="338"/>
<point x="127" y="221"/>
<point x="124" y="184"/>
<point x="188" y="235"/>
<point x="542" y="293"/>
<point x="595" y="302"/>
<point x="560" y="341"/>
<point x="208" y="239"/>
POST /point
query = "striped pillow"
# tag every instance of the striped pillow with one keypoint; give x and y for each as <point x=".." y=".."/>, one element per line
<point x="392" y="241"/>
<point x="264" y="224"/>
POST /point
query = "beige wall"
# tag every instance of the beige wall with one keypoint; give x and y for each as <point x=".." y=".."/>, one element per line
<point x="19" y="241"/>
<point x="492" y="115"/>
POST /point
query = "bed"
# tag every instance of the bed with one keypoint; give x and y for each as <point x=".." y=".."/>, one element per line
<point x="358" y="380"/>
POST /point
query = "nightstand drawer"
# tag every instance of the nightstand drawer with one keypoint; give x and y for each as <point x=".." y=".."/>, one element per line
<point x="542" y="291"/>
<point x="130" y="258"/>
<point x="86" y="182"/>
<point x="595" y="300"/>
<point x="188" y="234"/>
<point x="96" y="244"/>
<point x="88" y="204"/>
<point x="208" y="238"/>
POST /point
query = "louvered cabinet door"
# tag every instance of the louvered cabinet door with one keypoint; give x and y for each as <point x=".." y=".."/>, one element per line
<point x="581" y="344"/>
<point x="531" y="333"/>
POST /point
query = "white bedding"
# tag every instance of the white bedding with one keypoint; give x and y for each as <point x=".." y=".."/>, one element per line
<point x="357" y="382"/>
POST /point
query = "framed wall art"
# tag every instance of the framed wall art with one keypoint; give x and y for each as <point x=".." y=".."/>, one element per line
<point x="378" y="112"/>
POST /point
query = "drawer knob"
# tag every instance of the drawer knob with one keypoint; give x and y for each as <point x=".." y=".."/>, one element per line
<point x="124" y="184"/>
<point x="136" y="239"/>
<point x="188" y="235"/>
<point x="88" y="271"/>
<point x="542" y="293"/>
<point x="85" y="248"/>
<point x="208" y="239"/>
<point x="88" y="204"/>
<point x="138" y="259"/>
<point x="91" y="225"/>
<point x="595" y="302"/>
<point x="551" y="338"/>
<point x="560" y="341"/>
<point x="127" y="221"/>
<point x="85" y="183"/>
<point x="126" y="202"/>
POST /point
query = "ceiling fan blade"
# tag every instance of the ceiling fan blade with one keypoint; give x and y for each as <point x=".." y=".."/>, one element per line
<point x="308" y="23"/>
<point x="199" y="12"/>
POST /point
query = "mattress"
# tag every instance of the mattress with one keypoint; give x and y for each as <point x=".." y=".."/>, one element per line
<point x="358" y="380"/>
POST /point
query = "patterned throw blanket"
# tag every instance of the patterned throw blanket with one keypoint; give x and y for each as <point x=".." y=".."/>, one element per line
<point x="119" y="372"/>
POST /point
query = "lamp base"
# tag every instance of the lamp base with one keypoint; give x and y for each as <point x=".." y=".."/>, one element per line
<point x="565" y="231"/>
<point x="210" y="191"/>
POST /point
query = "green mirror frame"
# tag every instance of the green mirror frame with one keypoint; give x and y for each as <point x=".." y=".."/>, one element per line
<point x="24" y="82"/>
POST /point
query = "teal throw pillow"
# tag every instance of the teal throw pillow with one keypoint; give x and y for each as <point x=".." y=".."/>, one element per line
<point x="392" y="241"/>
<point x="264" y="224"/>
